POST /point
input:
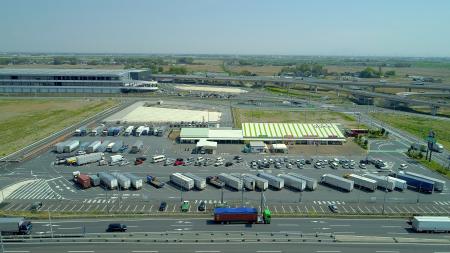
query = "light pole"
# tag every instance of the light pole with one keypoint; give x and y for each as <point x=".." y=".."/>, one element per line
<point x="242" y="189"/>
<point x="385" y="193"/>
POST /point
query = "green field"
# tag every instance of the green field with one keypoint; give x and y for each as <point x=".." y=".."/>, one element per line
<point x="418" y="126"/>
<point x="24" y="121"/>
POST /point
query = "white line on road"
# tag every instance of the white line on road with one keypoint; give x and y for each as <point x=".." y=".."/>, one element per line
<point x="17" y="251"/>
<point x="391" y="226"/>
<point x="70" y="228"/>
<point x="80" y="251"/>
<point x="268" y="251"/>
<point x="328" y="251"/>
<point x="387" y="251"/>
<point x="145" y="251"/>
<point x="207" y="251"/>
<point x="340" y="225"/>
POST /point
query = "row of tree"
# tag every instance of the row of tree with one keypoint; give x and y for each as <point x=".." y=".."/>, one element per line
<point x="304" y="70"/>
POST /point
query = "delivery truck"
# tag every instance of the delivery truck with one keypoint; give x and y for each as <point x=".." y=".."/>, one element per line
<point x="136" y="182"/>
<point x="337" y="182"/>
<point x="108" y="180"/>
<point x="89" y="158"/>
<point x="274" y="182"/>
<point x="431" y="224"/>
<point x="115" y="159"/>
<point x="123" y="181"/>
<point x="199" y="183"/>
<point x="260" y="183"/>
<point x="311" y="183"/>
<point x="231" y="181"/>
<point x="363" y="182"/>
<point x="59" y="147"/>
<point x="438" y="184"/>
<point x="215" y="181"/>
<point x="182" y="181"/>
<point x="384" y="182"/>
<point x="103" y="146"/>
<point x="15" y="226"/>
<point x="420" y="184"/>
<point x="226" y="215"/>
<point x="293" y="182"/>
<point x="249" y="182"/>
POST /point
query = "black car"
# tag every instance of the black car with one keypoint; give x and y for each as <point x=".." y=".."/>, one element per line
<point x="36" y="206"/>
<point x="116" y="227"/>
<point x="333" y="208"/>
<point x="162" y="206"/>
<point x="202" y="206"/>
<point x="228" y="164"/>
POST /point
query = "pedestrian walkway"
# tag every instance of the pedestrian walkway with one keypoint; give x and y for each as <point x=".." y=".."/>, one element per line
<point x="38" y="190"/>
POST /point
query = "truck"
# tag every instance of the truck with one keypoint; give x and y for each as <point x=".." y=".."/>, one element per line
<point x="137" y="146"/>
<point x="103" y="146"/>
<point x="399" y="183"/>
<point x="89" y="158"/>
<point x="199" y="183"/>
<point x="293" y="182"/>
<point x="337" y="182"/>
<point x="154" y="181"/>
<point x="70" y="146"/>
<point x="215" y="181"/>
<point x="420" y="184"/>
<point x="108" y="180"/>
<point x="311" y="183"/>
<point x="93" y="146"/>
<point x="384" y="182"/>
<point x="115" y="159"/>
<point x="182" y="181"/>
<point x="128" y="130"/>
<point x="274" y="182"/>
<point x="82" y="131"/>
<point x="110" y="146"/>
<point x="260" y="183"/>
<point x="59" y="147"/>
<point x="431" y="224"/>
<point x="83" y="147"/>
<point x="15" y="226"/>
<point x="139" y="131"/>
<point x="96" y="131"/>
<point x="95" y="180"/>
<point x="114" y="131"/>
<point x="83" y="181"/>
<point x="136" y="182"/>
<point x="123" y="181"/>
<point x="117" y="146"/>
<point x="225" y="215"/>
<point x="249" y="182"/>
<point x="231" y="181"/>
<point x="185" y="206"/>
<point x="438" y="184"/>
<point x="360" y="181"/>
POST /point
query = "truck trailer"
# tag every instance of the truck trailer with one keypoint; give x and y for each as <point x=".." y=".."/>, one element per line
<point x="431" y="224"/>
<point x="15" y="226"/>
<point x="399" y="183"/>
<point x="227" y="215"/>
<point x="103" y="146"/>
<point x="384" y="182"/>
<point x="89" y="158"/>
<point x="70" y="146"/>
<point x="123" y="181"/>
<point x="117" y="146"/>
<point x="438" y="184"/>
<point x="182" y="181"/>
<point x="260" y="183"/>
<point x="360" y="181"/>
<point x="115" y="159"/>
<point x="83" y="180"/>
<point x="95" y="180"/>
<point x="136" y="182"/>
<point x="231" y="181"/>
<point x="293" y="182"/>
<point x="128" y="130"/>
<point x="274" y="182"/>
<point x="249" y="182"/>
<point x="311" y="183"/>
<point x="338" y="182"/>
<point x="93" y="146"/>
<point x="199" y="183"/>
<point x="108" y="180"/>
<point x="418" y="183"/>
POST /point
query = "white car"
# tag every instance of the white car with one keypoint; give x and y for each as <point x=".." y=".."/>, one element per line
<point x="218" y="164"/>
<point x="403" y="166"/>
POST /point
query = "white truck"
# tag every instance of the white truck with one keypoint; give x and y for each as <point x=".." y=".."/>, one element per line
<point x="311" y="183"/>
<point x="93" y="146"/>
<point x="182" y="181"/>
<point x="399" y="184"/>
<point x="124" y="182"/>
<point x="136" y="182"/>
<point x="231" y="181"/>
<point x="139" y="131"/>
<point x="275" y="182"/>
<point x="338" y="182"/>
<point x="115" y="159"/>
<point x="249" y="182"/>
<point x="260" y="183"/>
<point x="438" y="184"/>
<point x="108" y="180"/>
<point x="360" y="181"/>
<point x="89" y="158"/>
<point x="431" y="224"/>
<point x="384" y="182"/>
<point x="128" y="131"/>
<point x="293" y="182"/>
<point x="71" y="146"/>
<point x="199" y="183"/>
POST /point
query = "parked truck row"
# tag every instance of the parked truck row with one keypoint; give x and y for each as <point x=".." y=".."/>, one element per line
<point x="121" y="130"/>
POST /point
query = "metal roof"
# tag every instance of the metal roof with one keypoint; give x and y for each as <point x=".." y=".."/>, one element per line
<point x="194" y="132"/>
<point x="67" y="72"/>
<point x="292" y="130"/>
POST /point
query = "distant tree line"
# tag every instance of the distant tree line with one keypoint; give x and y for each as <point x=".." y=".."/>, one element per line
<point x="304" y="70"/>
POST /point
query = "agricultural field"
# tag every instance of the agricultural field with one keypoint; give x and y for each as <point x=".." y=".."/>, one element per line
<point x="23" y="121"/>
<point x="418" y="126"/>
<point x="284" y="116"/>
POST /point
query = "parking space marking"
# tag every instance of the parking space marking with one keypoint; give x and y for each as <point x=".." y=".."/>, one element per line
<point x="135" y="207"/>
<point x="73" y="207"/>
<point x="10" y="206"/>
<point x="128" y="207"/>
<point x="275" y="208"/>
<point x="321" y="209"/>
<point x="360" y="210"/>
<point x="174" y="206"/>
<point x="290" y="208"/>
<point x="398" y="210"/>
<point x="306" y="209"/>
<point x="48" y="208"/>
<point x="392" y="211"/>
<point x="345" y="210"/>
<point x="81" y="207"/>
<point x="429" y="210"/>
<point x="298" y="208"/>
<point x="368" y="210"/>
<point x="314" y="209"/>
<point x="17" y="208"/>
<point x="421" y="210"/>
<point x="143" y="208"/>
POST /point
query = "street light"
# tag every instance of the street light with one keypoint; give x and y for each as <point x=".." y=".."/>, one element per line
<point x="385" y="193"/>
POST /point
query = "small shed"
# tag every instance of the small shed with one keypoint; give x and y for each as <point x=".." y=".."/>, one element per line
<point x="257" y="147"/>
<point x="210" y="147"/>
<point x="279" y="148"/>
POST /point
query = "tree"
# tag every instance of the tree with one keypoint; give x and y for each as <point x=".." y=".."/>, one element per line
<point x="177" y="70"/>
<point x="185" y="60"/>
<point x="390" y="73"/>
<point x="369" y="73"/>
<point x="245" y="73"/>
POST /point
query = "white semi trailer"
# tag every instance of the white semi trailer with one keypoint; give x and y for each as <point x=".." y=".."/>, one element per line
<point x="311" y="183"/>
<point x="231" y="181"/>
<point x="360" y="181"/>
<point x="275" y="182"/>
<point x="260" y="183"/>
<point x="182" y="181"/>
<point x="338" y="182"/>
<point x="199" y="183"/>
<point x="293" y="182"/>
<point x="431" y="224"/>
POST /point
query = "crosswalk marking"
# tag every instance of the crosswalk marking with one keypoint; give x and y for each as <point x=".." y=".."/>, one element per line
<point x="38" y="189"/>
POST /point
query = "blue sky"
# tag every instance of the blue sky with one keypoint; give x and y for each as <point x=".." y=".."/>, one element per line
<point x="297" y="27"/>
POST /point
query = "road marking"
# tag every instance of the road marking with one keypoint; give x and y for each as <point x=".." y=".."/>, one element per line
<point x="207" y="251"/>
<point x="145" y="251"/>
<point x="387" y="251"/>
<point x="69" y="228"/>
<point x="80" y="251"/>
<point x="328" y="251"/>
<point x="268" y="251"/>
<point x="17" y="251"/>
<point x="340" y="225"/>
<point x="391" y="226"/>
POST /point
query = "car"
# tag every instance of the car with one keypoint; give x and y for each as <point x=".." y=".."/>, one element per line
<point x="81" y="152"/>
<point x="309" y="161"/>
<point x="300" y="166"/>
<point x="116" y="227"/>
<point x="162" y="206"/>
<point x="318" y="165"/>
<point x="236" y="157"/>
<point x="278" y="165"/>
<point x="333" y="208"/>
<point x="220" y="159"/>
<point x="218" y="164"/>
<point x="228" y="164"/>
<point x="403" y="166"/>
<point x="178" y="163"/>
<point x="363" y="166"/>
<point x="289" y="166"/>
<point x="202" y="206"/>
<point x="36" y="206"/>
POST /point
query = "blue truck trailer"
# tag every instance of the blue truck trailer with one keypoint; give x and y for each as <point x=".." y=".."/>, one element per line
<point x="418" y="183"/>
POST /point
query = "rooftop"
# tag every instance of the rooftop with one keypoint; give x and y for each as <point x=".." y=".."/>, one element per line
<point x="72" y="72"/>
<point x="292" y="130"/>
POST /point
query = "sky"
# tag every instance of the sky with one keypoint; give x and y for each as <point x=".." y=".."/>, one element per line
<point x="284" y="27"/>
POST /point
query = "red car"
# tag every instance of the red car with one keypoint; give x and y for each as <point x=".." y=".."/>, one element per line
<point x="178" y="163"/>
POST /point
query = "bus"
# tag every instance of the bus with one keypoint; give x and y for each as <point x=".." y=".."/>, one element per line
<point x="158" y="158"/>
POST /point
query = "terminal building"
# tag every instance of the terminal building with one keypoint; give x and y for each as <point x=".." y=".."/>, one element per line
<point x="75" y="81"/>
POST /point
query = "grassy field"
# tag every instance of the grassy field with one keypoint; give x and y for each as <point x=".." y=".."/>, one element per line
<point x="303" y="93"/>
<point x="418" y="126"/>
<point x="23" y="121"/>
<point x="275" y="116"/>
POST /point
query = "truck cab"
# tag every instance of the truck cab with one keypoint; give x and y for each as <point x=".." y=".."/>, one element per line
<point x="267" y="216"/>
<point x="185" y="206"/>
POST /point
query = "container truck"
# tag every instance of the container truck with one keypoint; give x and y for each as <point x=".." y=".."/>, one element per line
<point x="136" y="182"/>
<point x="199" y="183"/>
<point x="128" y="131"/>
<point x="93" y="146"/>
<point x="82" y="131"/>
<point x="399" y="183"/>
<point x="154" y="181"/>
<point x="431" y="224"/>
<point x="215" y="181"/>
<point x="103" y="146"/>
<point x="115" y="159"/>
<point x="107" y="180"/>
<point x="274" y="182"/>
<point x="137" y="146"/>
<point x="337" y="182"/>
<point x="70" y="146"/>
<point x="95" y="180"/>
<point x="145" y="130"/>
<point x="182" y="181"/>
<point x="89" y="158"/>
<point x="311" y="183"/>
<point x="384" y="182"/>
<point x="83" y="181"/>
<point x="293" y="182"/>
<point x="123" y="181"/>
<point x="15" y="226"/>
<point x="438" y="184"/>
<point x="96" y="131"/>
<point x="260" y="183"/>
<point x="418" y="183"/>
<point x="231" y="181"/>
<point x="226" y="215"/>
<point x="360" y="181"/>
<point x="83" y="146"/>
<point x="116" y="147"/>
<point x="59" y="147"/>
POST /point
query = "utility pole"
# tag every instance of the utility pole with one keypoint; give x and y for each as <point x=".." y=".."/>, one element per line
<point x="242" y="189"/>
<point x="221" y="196"/>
